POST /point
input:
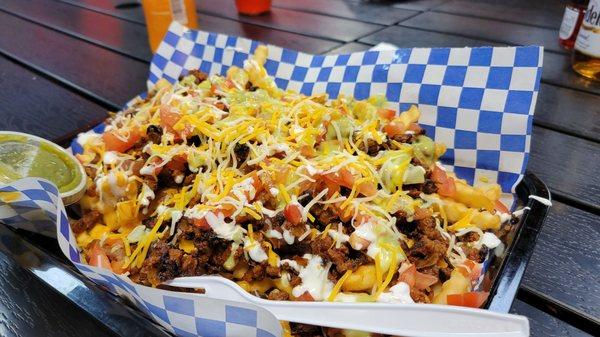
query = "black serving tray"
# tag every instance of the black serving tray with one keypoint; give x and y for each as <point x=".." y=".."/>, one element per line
<point x="41" y="256"/>
<point x="506" y="271"/>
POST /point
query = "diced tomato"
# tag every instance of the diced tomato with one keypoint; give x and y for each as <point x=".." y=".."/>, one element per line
<point x="470" y="269"/>
<point x="202" y="223"/>
<point x="367" y="188"/>
<point x="307" y="151"/>
<point x="168" y="118"/>
<point x="346" y="178"/>
<point x="156" y="161"/>
<point x="343" y="177"/>
<point x="394" y="128"/>
<point x="448" y="188"/>
<point x="388" y="114"/>
<point x="409" y="276"/>
<point x="416" y="279"/>
<point x="445" y="184"/>
<point x="423" y="281"/>
<point x="500" y="207"/>
<point x="306" y="296"/>
<point x="361" y="218"/>
<point x="116" y="142"/>
<point x="414" y="127"/>
<point x="332" y="187"/>
<point x="177" y="163"/>
<point x="474" y="299"/>
<point x="227" y="210"/>
<point x="228" y="84"/>
<point x="118" y="267"/>
<point x="293" y="214"/>
<point x="97" y="256"/>
<point x="257" y="183"/>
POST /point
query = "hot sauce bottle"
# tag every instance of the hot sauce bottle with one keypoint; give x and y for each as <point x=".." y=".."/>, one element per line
<point x="571" y="22"/>
<point x="160" y="13"/>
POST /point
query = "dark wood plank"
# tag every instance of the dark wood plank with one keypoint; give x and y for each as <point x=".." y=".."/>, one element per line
<point x="131" y="13"/>
<point x="418" y="5"/>
<point x="29" y="101"/>
<point x="405" y="37"/>
<point x="566" y="259"/>
<point x="98" y="72"/>
<point x="372" y="12"/>
<point x="350" y="47"/>
<point x="214" y="24"/>
<point x="557" y="70"/>
<point x="123" y="36"/>
<point x="298" y="22"/>
<point x="497" y="31"/>
<point x="569" y="110"/>
<point x="543" y="325"/>
<point x="280" y="38"/>
<point x="566" y="164"/>
<point x="29" y="308"/>
<point x="546" y="14"/>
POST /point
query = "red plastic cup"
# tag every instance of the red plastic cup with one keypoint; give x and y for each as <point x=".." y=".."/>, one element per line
<point x="253" y="7"/>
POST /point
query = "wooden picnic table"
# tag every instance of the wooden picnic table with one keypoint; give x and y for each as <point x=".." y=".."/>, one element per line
<point x="64" y="63"/>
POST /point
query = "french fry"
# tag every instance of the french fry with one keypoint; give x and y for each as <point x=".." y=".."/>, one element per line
<point x="471" y="196"/>
<point x="456" y="284"/>
<point x="482" y="219"/>
<point x="361" y="279"/>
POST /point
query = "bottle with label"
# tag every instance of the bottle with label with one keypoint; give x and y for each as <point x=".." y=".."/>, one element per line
<point x="586" y="54"/>
<point x="160" y="13"/>
<point x="571" y="21"/>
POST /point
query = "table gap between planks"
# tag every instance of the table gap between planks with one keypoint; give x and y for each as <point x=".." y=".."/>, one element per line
<point x="74" y="59"/>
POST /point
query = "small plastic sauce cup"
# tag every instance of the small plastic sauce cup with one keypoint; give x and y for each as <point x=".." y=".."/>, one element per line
<point x="24" y="155"/>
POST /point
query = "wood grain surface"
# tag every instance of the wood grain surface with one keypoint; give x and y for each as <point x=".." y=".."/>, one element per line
<point x="213" y="24"/>
<point x="30" y="308"/>
<point x="120" y="35"/>
<point x="544" y="325"/>
<point x="298" y="22"/>
<point x="566" y="259"/>
<point x="505" y="32"/>
<point x="565" y="164"/>
<point x="524" y="12"/>
<point x="417" y="5"/>
<point x="372" y="12"/>
<point x="46" y="101"/>
<point x="79" y="64"/>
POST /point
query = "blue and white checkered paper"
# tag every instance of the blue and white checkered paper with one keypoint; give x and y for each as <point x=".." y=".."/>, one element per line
<point x="184" y="314"/>
<point x="477" y="101"/>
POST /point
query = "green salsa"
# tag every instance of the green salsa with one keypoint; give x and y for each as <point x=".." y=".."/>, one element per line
<point x="23" y="157"/>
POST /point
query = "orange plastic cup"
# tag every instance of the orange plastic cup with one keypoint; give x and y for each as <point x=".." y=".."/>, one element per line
<point x="160" y="13"/>
<point x="253" y="7"/>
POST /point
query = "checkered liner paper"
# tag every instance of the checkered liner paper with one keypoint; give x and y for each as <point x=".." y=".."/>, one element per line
<point x="477" y="101"/>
